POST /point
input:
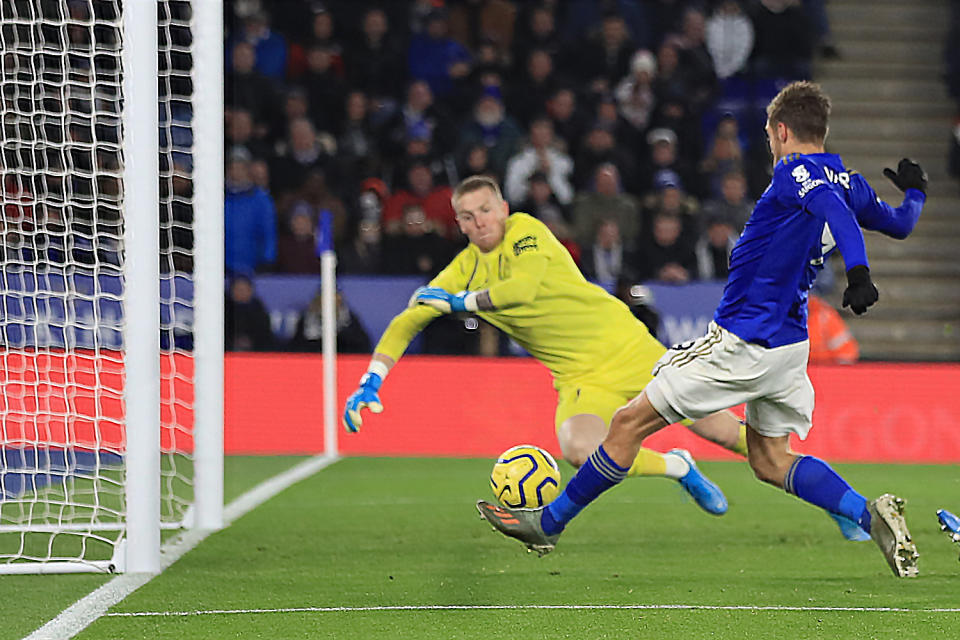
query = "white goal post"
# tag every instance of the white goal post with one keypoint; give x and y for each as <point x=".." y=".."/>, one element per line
<point x="111" y="280"/>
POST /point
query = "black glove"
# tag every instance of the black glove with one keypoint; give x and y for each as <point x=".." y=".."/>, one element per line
<point x="909" y="175"/>
<point x="861" y="292"/>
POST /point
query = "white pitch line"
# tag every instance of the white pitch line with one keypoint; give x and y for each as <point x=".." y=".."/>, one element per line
<point x="85" y="611"/>
<point x="507" y="607"/>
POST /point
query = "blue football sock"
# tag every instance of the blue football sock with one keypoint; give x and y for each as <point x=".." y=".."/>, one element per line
<point x="597" y="474"/>
<point x="813" y="480"/>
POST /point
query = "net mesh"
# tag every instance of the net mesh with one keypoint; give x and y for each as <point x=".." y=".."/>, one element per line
<point x="61" y="341"/>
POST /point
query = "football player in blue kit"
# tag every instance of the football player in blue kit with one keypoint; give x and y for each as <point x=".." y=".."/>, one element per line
<point x="756" y="349"/>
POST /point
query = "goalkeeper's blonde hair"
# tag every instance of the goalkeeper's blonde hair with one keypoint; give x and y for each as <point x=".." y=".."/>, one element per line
<point x="475" y="183"/>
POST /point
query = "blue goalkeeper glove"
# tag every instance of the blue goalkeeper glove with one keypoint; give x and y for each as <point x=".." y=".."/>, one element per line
<point x="445" y="302"/>
<point x="365" y="397"/>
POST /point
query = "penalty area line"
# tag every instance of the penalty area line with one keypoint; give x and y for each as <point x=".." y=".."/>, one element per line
<point x="520" y="607"/>
<point x="94" y="605"/>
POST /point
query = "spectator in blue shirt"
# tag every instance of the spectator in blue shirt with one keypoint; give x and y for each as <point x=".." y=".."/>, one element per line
<point x="249" y="218"/>
<point x="436" y="58"/>
<point x="270" y="46"/>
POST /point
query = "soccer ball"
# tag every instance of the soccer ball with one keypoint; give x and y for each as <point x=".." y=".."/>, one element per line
<point x="525" y="476"/>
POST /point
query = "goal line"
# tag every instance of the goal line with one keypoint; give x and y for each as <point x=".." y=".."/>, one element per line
<point x="524" y="607"/>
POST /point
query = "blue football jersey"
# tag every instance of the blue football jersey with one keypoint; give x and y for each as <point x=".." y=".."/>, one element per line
<point x="783" y="245"/>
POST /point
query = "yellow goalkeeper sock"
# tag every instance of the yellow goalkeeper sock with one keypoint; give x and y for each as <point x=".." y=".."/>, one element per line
<point x="741" y="447"/>
<point x="648" y="463"/>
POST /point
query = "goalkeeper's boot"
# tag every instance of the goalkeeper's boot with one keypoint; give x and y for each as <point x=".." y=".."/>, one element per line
<point x="889" y="530"/>
<point x="850" y="529"/>
<point x="522" y="524"/>
<point x="950" y="524"/>
<point x="703" y="490"/>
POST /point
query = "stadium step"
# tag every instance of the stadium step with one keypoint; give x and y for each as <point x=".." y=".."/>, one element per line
<point x="915" y="108"/>
<point x="890" y="101"/>
<point x="876" y="69"/>
<point x="927" y="129"/>
<point x="933" y="14"/>
<point x="923" y="50"/>
<point x="855" y="89"/>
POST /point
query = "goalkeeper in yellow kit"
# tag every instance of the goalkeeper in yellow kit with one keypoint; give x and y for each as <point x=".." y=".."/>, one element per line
<point x="518" y="277"/>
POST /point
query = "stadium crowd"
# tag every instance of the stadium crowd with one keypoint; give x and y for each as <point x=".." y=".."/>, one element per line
<point x="632" y="128"/>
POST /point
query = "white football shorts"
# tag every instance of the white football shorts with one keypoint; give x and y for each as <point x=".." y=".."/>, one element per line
<point x="719" y="371"/>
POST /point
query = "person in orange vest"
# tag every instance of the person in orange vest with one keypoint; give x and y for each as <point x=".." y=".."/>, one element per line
<point x="830" y="340"/>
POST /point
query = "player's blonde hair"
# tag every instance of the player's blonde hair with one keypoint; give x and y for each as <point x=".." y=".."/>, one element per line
<point x="804" y="108"/>
<point x="475" y="183"/>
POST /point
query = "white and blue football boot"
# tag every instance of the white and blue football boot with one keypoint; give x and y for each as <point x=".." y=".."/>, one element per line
<point x="702" y="489"/>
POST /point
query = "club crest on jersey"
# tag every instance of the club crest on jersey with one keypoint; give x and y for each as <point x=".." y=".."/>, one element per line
<point x="526" y="243"/>
<point x="800" y="173"/>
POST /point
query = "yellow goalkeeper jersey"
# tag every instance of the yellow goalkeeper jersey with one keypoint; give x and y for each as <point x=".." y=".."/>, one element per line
<point x="543" y="302"/>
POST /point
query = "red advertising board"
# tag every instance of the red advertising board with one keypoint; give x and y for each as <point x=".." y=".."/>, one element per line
<point x="458" y="406"/>
<point x="446" y="406"/>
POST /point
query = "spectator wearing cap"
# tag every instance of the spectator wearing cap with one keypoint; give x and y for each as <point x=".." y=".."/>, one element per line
<point x="247" y="88"/>
<point x="665" y="256"/>
<point x="729" y="38"/>
<point x="600" y="147"/>
<point x="302" y="152"/>
<point x="375" y="61"/>
<point x="605" y="200"/>
<point x="417" y="117"/>
<point x="605" y="261"/>
<point x="434" y="57"/>
<point x="270" y="46"/>
<point x="634" y="93"/>
<point x="297" y="246"/>
<point x="668" y="196"/>
<point x="664" y="154"/>
<point x="249" y="218"/>
<point x="540" y="154"/>
<point x="733" y="204"/>
<point x="417" y="249"/>
<point x="420" y="190"/>
<point x="491" y="126"/>
<point x="713" y="248"/>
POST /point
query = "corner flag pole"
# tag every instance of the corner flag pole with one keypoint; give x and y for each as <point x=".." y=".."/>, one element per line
<point x="328" y="314"/>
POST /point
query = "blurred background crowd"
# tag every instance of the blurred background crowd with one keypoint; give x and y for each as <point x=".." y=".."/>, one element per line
<point x="632" y="128"/>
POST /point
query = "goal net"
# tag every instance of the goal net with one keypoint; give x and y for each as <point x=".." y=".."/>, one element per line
<point x="96" y="251"/>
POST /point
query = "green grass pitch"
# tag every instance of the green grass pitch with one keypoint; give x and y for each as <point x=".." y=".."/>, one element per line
<point x="379" y="532"/>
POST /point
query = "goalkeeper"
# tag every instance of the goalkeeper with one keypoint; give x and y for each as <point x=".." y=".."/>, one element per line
<point x="516" y="275"/>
